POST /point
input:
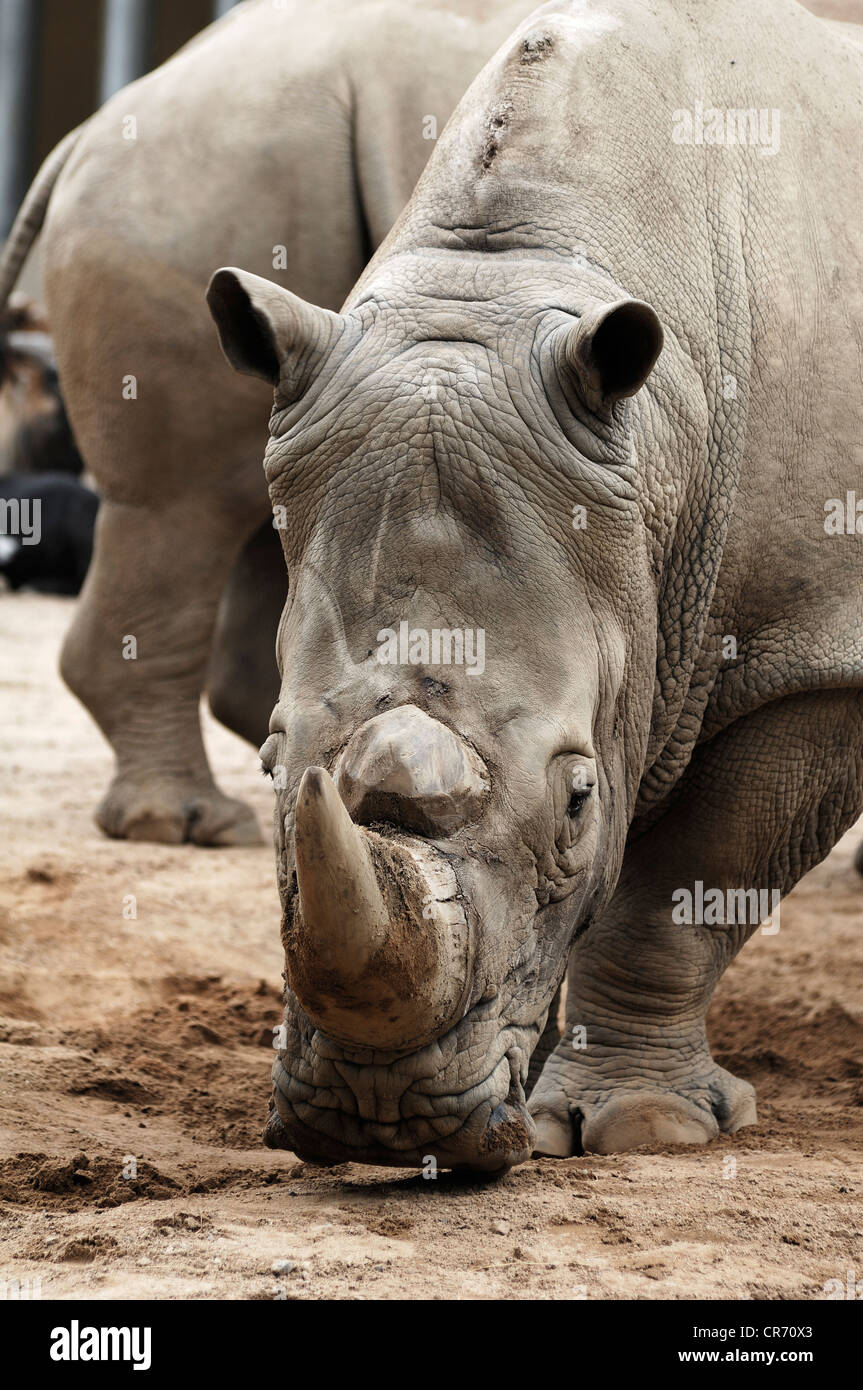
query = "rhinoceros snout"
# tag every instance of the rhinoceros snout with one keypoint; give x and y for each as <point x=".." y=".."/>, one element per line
<point x="378" y="945"/>
<point x="408" y="769"/>
<point x="379" y="941"/>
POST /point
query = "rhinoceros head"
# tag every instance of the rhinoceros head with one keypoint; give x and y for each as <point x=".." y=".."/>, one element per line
<point x="466" y="684"/>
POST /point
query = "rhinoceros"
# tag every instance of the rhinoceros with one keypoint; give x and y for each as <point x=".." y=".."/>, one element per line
<point x="287" y="137"/>
<point x="572" y="659"/>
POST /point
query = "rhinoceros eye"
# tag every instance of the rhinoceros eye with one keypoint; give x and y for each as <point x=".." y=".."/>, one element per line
<point x="574" y="783"/>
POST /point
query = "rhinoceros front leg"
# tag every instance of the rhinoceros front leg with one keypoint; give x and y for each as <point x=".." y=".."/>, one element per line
<point x="759" y="806"/>
<point x="549" y="1039"/>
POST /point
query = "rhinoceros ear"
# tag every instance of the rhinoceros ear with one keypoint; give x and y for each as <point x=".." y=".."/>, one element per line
<point x="612" y="350"/>
<point x="268" y="332"/>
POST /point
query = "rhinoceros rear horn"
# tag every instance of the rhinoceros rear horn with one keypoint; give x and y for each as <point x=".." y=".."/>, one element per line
<point x="612" y="350"/>
<point x="268" y="332"/>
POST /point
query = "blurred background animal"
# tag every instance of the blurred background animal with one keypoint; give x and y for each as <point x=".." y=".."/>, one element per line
<point x="304" y="130"/>
<point x="35" y="436"/>
<point x="46" y="531"/>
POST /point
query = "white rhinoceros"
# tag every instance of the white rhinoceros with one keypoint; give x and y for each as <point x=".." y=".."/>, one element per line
<point x="286" y="135"/>
<point x="572" y="663"/>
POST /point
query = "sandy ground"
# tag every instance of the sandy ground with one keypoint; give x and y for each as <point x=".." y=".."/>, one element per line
<point x="143" y="1045"/>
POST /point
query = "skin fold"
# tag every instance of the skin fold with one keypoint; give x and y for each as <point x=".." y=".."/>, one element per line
<point x="591" y="396"/>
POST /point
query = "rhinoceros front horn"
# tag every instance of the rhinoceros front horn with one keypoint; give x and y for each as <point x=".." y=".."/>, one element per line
<point x="378" y="945"/>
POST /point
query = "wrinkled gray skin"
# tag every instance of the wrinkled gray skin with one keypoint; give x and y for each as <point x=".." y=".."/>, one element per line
<point x="429" y="446"/>
<point x="300" y="125"/>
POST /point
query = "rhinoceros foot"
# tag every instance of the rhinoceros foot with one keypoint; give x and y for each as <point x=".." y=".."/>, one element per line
<point x="172" y="813"/>
<point x="574" y="1113"/>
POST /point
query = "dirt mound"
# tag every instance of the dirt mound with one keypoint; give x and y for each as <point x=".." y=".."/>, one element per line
<point x="78" y="1182"/>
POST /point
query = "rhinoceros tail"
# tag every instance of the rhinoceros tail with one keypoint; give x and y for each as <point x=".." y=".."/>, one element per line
<point x="31" y="214"/>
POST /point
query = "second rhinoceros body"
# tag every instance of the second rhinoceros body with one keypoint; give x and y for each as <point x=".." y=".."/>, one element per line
<point x="592" y="397"/>
<point x="287" y="136"/>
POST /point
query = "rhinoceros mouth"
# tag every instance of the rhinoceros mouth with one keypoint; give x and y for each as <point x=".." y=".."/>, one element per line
<point x="329" y="1109"/>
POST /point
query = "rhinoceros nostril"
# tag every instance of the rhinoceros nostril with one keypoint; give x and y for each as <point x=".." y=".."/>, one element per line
<point x="409" y="769"/>
<point x="577" y="1121"/>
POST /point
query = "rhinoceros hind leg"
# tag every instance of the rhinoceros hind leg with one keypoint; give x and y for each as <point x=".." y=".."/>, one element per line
<point x="173" y="813"/>
<point x="136" y="656"/>
<point x="243" y="679"/>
